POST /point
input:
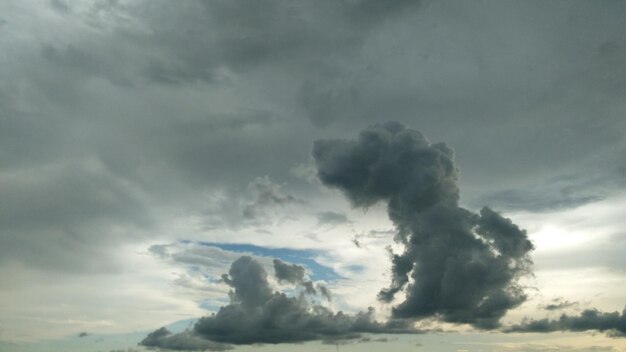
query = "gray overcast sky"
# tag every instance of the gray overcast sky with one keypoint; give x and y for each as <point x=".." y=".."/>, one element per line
<point x="146" y="145"/>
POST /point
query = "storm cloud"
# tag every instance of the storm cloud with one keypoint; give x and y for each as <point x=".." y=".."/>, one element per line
<point x="200" y="127"/>
<point x="458" y="266"/>
<point x="258" y="314"/>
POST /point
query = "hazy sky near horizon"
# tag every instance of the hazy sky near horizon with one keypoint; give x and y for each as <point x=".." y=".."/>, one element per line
<point x="145" y="146"/>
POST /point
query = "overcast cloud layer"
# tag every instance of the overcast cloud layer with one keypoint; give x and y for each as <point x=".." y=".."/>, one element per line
<point x="131" y="132"/>
<point x="176" y="113"/>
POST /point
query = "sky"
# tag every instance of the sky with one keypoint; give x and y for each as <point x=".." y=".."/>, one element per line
<point x="279" y="175"/>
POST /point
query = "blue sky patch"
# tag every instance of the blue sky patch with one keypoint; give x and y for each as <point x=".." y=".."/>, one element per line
<point x="304" y="257"/>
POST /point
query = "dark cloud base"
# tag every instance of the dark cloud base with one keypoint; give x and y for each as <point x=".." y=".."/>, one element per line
<point x="590" y="319"/>
<point x="258" y="314"/>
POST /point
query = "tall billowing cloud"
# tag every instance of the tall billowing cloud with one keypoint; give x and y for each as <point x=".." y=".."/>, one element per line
<point x="458" y="266"/>
<point x="258" y="314"/>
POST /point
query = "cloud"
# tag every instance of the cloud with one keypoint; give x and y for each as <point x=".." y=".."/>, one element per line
<point x="563" y="192"/>
<point x="529" y="347"/>
<point x="295" y="274"/>
<point x="324" y="291"/>
<point x="245" y="35"/>
<point x="291" y="273"/>
<point x="559" y="304"/>
<point x="331" y="218"/>
<point x="163" y="338"/>
<point x="64" y="212"/>
<point x="590" y="319"/>
<point x="258" y="314"/>
<point x="267" y="194"/>
<point x="325" y="102"/>
<point x="457" y="266"/>
<point x="265" y="203"/>
<point x="60" y="6"/>
<point x="177" y="114"/>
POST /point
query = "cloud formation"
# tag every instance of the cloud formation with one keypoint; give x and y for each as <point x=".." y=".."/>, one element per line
<point x="559" y="304"/>
<point x="590" y="319"/>
<point x="458" y="266"/>
<point x="295" y="274"/>
<point x="258" y="314"/>
<point x="163" y="338"/>
<point x="291" y="273"/>
<point x="266" y="194"/>
<point x="101" y="151"/>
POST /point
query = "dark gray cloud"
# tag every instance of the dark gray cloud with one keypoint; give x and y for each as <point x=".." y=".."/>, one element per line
<point x="291" y="273"/>
<point x="244" y="35"/>
<point x="559" y="304"/>
<point x="464" y="266"/>
<point x="177" y="112"/>
<point x="258" y="314"/>
<point x="613" y="323"/>
<point x="309" y="288"/>
<point x="295" y="274"/>
<point x="324" y="291"/>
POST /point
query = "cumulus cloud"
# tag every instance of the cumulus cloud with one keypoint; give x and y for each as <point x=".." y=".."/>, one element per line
<point x="258" y="314"/>
<point x="458" y="266"/>
<point x="291" y="273"/>
<point x="613" y="323"/>
<point x="295" y="274"/>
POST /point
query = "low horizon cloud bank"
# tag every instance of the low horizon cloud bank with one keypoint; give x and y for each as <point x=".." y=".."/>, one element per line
<point x="258" y="314"/>
<point x="613" y="323"/>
